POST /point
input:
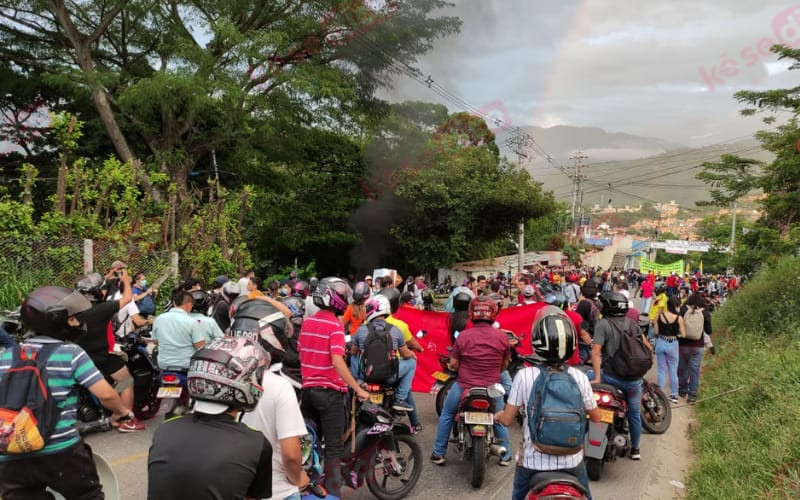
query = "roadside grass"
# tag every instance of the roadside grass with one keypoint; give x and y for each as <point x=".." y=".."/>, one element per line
<point x="747" y="442"/>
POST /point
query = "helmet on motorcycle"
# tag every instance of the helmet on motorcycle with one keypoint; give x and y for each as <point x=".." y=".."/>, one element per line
<point x="613" y="304"/>
<point x="333" y="294"/>
<point x="376" y="307"/>
<point x="201" y="302"/>
<point x="527" y="291"/>
<point x="393" y="295"/>
<point x="262" y="322"/>
<point x="553" y="335"/>
<point x="46" y="311"/>
<point x="297" y="306"/>
<point x="482" y="308"/>
<point x="361" y="292"/>
<point x="235" y="303"/>
<point x="90" y="286"/>
<point x="462" y="296"/>
<point x="227" y="374"/>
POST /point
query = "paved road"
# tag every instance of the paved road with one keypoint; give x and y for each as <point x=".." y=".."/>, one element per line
<point x="624" y="479"/>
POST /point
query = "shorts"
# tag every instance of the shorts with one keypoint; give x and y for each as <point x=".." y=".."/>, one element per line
<point x="108" y="363"/>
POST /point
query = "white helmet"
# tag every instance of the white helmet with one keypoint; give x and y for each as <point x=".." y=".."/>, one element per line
<point x="377" y="306"/>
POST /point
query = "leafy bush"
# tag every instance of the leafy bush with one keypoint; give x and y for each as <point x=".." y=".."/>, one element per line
<point x="766" y="302"/>
<point x="747" y="444"/>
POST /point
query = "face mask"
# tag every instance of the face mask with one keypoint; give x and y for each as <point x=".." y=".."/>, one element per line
<point x="284" y="292"/>
<point x="73" y="332"/>
<point x="143" y="282"/>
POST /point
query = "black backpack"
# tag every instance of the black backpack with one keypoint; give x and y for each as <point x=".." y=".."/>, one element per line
<point x="28" y="412"/>
<point x="633" y="359"/>
<point x="378" y="361"/>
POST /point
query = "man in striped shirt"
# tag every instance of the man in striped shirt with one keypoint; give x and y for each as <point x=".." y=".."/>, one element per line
<point x="65" y="463"/>
<point x="325" y="373"/>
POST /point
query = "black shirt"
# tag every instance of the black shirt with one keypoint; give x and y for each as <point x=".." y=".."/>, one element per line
<point x="208" y="457"/>
<point x="222" y="314"/>
<point x="95" y="340"/>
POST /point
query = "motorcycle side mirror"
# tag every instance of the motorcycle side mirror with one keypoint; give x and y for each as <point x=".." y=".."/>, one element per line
<point x="496" y="390"/>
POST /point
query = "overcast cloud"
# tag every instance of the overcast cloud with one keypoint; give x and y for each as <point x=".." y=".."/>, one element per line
<point x="623" y="65"/>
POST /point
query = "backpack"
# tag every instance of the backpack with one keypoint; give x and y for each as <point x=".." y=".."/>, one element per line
<point x="378" y="362"/>
<point x="693" y="322"/>
<point x="633" y="359"/>
<point x="594" y="315"/>
<point x="28" y="412"/>
<point x="556" y="415"/>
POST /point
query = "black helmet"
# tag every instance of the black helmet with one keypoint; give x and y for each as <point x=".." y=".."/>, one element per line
<point x="614" y="304"/>
<point x="202" y="301"/>
<point x="462" y="296"/>
<point x="553" y="335"/>
<point x="393" y="294"/>
<point x="361" y="292"/>
<point x="46" y="310"/>
<point x="90" y="286"/>
<point x="261" y="321"/>
<point x="332" y="293"/>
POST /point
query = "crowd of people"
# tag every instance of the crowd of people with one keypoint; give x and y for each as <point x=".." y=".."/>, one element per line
<point x="323" y="334"/>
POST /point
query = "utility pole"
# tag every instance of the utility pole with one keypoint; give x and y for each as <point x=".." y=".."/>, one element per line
<point x="577" y="190"/>
<point x="518" y="144"/>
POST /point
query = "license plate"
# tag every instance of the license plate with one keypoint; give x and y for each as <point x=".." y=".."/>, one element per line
<point x="441" y="376"/>
<point x="169" y="392"/>
<point x="606" y="416"/>
<point x="376" y="398"/>
<point x="474" y="417"/>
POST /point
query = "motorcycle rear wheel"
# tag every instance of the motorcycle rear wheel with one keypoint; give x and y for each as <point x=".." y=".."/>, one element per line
<point x="657" y="419"/>
<point x="409" y="459"/>
<point x="478" y="462"/>
<point x="442" y="395"/>
<point x="594" y="468"/>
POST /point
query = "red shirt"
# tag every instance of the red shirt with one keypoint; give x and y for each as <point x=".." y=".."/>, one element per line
<point x="576" y="319"/>
<point x="480" y="351"/>
<point x="321" y="336"/>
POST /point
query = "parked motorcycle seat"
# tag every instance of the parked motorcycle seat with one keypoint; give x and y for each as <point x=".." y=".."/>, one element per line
<point x="542" y="479"/>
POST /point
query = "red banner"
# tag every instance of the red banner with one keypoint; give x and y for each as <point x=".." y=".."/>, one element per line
<point x="437" y="339"/>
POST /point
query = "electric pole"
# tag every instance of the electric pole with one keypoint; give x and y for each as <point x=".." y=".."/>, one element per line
<point x="519" y="144"/>
<point x="577" y="190"/>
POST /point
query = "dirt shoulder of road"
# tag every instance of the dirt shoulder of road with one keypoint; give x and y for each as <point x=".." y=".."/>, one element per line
<point x="672" y="458"/>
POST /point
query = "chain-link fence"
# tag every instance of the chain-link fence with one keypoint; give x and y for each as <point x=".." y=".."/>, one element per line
<point x="29" y="263"/>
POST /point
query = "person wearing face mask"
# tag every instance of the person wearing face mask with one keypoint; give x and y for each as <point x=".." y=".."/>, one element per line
<point x="129" y="317"/>
<point x="64" y="463"/>
<point x="144" y="296"/>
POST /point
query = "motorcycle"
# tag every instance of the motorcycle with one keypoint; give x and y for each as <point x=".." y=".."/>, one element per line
<point x="610" y="437"/>
<point x="93" y="417"/>
<point x="556" y="485"/>
<point x="656" y="409"/>
<point x="445" y="378"/>
<point x="474" y="429"/>
<point x="173" y="395"/>
<point x="380" y="450"/>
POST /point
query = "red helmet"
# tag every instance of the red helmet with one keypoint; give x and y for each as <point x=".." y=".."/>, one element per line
<point x="483" y="308"/>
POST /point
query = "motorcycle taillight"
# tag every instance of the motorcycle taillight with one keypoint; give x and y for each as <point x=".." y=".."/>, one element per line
<point x="479" y="404"/>
<point x="170" y="378"/>
<point x="603" y="398"/>
<point x="374" y="387"/>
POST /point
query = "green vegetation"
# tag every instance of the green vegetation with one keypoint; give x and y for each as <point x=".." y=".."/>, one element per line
<point x="747" y="444"/>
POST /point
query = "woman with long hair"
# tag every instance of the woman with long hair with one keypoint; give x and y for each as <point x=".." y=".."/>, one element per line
<point x="690" y="353"/>
<point x="669" y="326"/>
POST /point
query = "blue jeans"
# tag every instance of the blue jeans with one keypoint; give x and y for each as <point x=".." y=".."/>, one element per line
<point x="633" y="396"/>
<point x="523" y="480"/>
<point x="689" y="362"/>
<point x="445" y="426"/>
<point x="505" y="381"/>
<point x="667" y="356"/>
<point x="646" y="303"/>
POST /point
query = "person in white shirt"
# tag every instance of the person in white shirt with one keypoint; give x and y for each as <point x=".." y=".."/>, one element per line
<point x="278" y="417"/>
<point x="554" y="339"/>
<point x="244" y="280"/>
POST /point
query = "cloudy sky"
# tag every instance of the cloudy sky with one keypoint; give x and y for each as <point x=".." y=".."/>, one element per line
<point x="664" y="69"/>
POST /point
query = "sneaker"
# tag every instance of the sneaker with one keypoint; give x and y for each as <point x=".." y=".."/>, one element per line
<point x="402" y="406"/>
<point x="437" y="460"/>
<point x="505" y="462"/>
<point x="682" y="394"/>
<point x="416" y="428"/>
<point x="635" y="454"/>
<point x="691" y="400"/>
<point x="673" y="399"/>
<point x="131" y="425"/>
